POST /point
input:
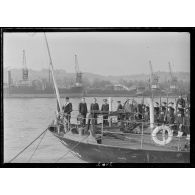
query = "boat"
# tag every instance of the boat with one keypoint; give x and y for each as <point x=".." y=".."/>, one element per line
<point x="130" y="140"/>
<point x="134" y="141"/>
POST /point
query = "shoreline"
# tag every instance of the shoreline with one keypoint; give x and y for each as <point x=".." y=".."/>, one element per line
<point x="79" y="95"/>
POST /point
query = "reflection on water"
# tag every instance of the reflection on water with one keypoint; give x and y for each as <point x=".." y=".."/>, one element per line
<point x="26" y="118"/>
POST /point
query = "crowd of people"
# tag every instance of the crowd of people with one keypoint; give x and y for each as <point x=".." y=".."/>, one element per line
<point x="176" y="115"/>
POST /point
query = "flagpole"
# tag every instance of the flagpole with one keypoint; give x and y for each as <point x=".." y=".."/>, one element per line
<point x="52" y="71"/>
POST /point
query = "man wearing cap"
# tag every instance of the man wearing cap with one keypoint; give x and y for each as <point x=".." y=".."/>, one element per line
<point x="67" y="108"/>
<point x="83" y="110"/>
<point x="187" y="122"/>
<point x="180" y="119"/>
<point x="156" y="111"/>
<point x="105" y="108"/>
<point x="170" y="113"/>
<point x="119" y="109"/>
<point x="180" y="101"/>
<point x="147" y="113"/>
<point x="94" y="107"/>
<point x="162" y="112"/>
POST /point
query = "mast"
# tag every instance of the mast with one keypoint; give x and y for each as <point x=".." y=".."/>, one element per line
<point x="52" y="72"/>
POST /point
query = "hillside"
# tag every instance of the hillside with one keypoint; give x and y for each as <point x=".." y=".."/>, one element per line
<point x="63" y="76"/>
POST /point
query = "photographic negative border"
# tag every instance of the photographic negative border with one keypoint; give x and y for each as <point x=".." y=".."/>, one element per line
<point x="190" y="30"/>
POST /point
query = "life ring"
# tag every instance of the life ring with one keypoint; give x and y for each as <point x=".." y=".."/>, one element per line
<point x="164" y="141"/>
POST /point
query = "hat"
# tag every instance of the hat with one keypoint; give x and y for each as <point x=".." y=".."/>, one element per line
<point x="179" y="105"/>
<point x="157" y="103"/>
<point x="119" y="101"/>
<point x="170" y="104"/>
<point x="187" y="108"/>
<point x="67" y="98"/>
<point x="164" y="103"/>
<point x="105" y="100"/>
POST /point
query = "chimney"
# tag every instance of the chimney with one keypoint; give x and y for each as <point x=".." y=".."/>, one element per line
<point x="25" y="74"/>
<point x="9" y="78"/>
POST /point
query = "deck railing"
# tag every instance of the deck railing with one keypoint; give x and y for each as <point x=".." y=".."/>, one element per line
<point x="112" y="122"/>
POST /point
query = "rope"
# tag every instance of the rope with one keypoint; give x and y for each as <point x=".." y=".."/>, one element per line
<point x="27" y="146"/>
<point x="71" y="149"/>
<point x="37" y="147"/>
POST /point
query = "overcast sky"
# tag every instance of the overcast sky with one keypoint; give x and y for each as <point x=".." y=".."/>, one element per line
<point x="105" y="53"/>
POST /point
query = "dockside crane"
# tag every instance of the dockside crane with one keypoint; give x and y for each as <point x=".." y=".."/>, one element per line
<point x="78" y="73"/>
<point x="154" y="79"/>
<point x="173" y="81"/>
<point x="25" y="69"/>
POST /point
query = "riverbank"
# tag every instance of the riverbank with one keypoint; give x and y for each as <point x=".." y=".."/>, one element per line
<point x="75" y="95"/>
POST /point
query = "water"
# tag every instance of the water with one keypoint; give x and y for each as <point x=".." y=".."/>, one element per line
<point x="26" y="118"/>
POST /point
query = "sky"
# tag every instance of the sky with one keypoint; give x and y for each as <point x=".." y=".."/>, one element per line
<point x="104" y="53"/>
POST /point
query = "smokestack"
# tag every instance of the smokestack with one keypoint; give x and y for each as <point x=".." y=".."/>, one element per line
<point x="25" y="74"/>
<point x="9" y="78"/>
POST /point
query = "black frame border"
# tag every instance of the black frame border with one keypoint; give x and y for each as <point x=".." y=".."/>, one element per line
<point x="190" y="30"/>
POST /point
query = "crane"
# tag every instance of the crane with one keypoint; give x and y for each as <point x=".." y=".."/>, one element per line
<point x="173" y="79"/>
<point x="153" y="77"/>
<point x="78" y="73"/>
<point x="25" y="69"/>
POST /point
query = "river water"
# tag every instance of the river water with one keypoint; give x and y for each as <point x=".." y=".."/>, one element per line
<point x="26" y="118"/>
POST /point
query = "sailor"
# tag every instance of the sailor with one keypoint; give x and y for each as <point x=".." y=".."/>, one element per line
<point x="67" y="108"/>
<point x="170" y="113"/>
<point x="156" y="111"/>
<point x="140" y="111"/>
<point x="162" y="112"/>
<point x="180" y="118"/>
<point x="180" y="101"/>
<point x="105" y="108"/>
<point x="119" y="109"/>
<point x="147" y="113"/>
<point x="93" y="109"/>
<point x="187" y="122"/>
<point x="188" y="100"/>
<point x="83" y="110"/>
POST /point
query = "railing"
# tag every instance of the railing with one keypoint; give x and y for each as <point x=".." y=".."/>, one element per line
<point x="178" y="143"/>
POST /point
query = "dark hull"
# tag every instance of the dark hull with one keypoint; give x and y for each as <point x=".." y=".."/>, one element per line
<point x="92" y="152"/>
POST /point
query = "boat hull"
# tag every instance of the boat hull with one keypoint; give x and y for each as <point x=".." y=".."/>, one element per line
<point x="99" y="153"/>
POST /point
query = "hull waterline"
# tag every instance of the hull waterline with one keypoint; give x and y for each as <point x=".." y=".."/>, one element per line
<point x="95" y="153"/>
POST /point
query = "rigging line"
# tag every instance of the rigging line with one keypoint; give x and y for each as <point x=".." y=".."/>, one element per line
<point x="27" y="146"/>
<point x="37" y="147"/>
<point x="71" y="149"/>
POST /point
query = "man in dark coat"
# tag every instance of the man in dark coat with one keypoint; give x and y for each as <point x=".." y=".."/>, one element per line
<point x="147" y="113"/>
<point x="180" y="119"/>
<point x="170" y="113"/>
<point x="156" y="112"/>
<point x="67" y="108"/>
<point x="105" y="108"/>
<point x="162" y="112"/>
<point x="180" y="101"/>
<point x="94" y="107"/>
<point x="187" y="122"/>
<point x="119" y="109"/>
<point x="140" y="111"/>
<point x="83" y="110"/>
